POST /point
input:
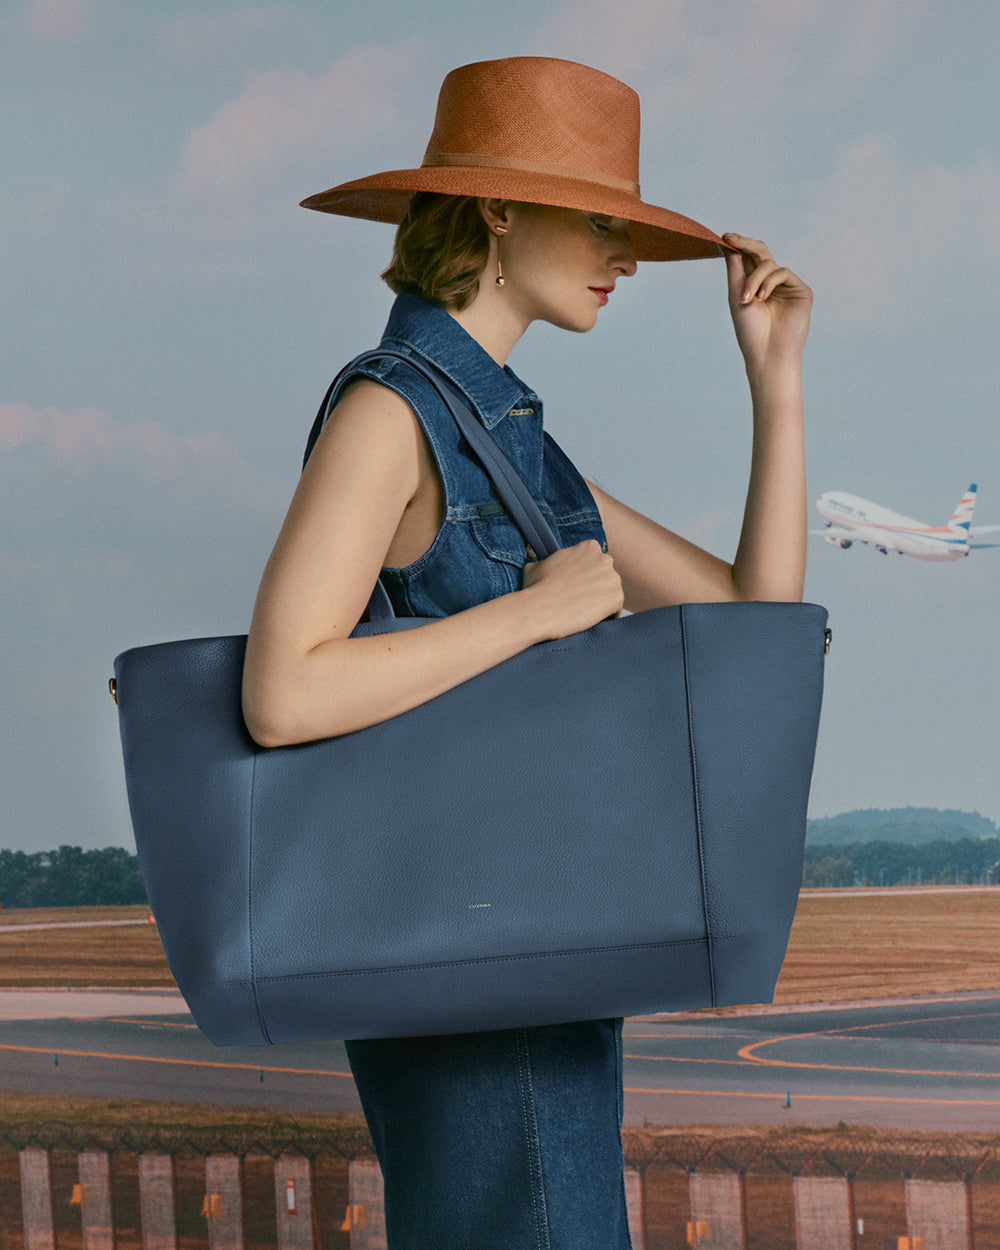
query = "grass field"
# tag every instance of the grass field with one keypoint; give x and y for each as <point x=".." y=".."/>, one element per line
<point x="892" y="945"/>
<point x="130" y="1123"/>
<point x="110" y="1121"/>
<point x="884" y="946"/>
<point x="127" y="956"/>
<point x="39" y="915"/>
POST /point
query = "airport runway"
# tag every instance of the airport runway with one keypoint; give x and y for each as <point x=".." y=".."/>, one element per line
<point x="932" y="1063"/>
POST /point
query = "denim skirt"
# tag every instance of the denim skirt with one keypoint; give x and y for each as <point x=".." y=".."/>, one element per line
<point x="508" y="1140"/>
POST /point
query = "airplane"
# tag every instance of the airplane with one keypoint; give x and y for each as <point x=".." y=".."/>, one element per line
<point x="849" y="520"/>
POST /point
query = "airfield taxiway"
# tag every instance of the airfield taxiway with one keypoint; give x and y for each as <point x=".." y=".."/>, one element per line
<point x="931" y="1063"/>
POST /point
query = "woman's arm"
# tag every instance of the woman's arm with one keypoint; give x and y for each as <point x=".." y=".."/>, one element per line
<point x="770" y="308"/>
<point x="304" y="676"/>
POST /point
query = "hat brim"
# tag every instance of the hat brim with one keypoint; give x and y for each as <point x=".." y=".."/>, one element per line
<point x="656" y="233"/>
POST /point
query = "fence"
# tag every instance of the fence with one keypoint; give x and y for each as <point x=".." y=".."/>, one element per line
<point x="681" y="1192"/>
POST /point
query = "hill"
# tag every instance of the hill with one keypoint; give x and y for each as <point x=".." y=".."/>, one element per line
<point x="913" y="826"/>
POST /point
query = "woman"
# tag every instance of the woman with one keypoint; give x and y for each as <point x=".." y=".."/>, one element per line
<point x="526" y="208"/>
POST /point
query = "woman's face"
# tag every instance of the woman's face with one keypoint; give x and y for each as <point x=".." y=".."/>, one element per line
<point x="560" y="264"/>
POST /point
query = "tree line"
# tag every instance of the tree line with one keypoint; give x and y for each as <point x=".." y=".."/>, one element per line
<point x="73" y="877"/>
<point x="967" y="861"/>
<point x="70" y="877"/>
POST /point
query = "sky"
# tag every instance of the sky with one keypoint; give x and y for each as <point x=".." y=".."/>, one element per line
<point x="171" y="319"/>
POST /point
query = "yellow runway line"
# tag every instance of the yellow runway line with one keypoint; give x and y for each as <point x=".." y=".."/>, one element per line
<point x="148" y="1024"/>
<point x="190" y="1063"/>
<point x="747" y="1052"/>
<point x="732" y="1063"/>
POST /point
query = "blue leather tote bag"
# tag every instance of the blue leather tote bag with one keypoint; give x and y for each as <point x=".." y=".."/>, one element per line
<point x="608" y="824"/>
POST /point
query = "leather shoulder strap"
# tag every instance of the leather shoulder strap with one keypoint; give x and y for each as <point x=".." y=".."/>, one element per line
<point x="509" y="484"/>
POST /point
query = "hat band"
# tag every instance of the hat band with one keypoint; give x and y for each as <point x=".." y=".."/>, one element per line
<point x="432" y="159"/>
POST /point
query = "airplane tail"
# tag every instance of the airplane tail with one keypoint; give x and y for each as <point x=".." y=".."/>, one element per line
<point x="961" y="519"/>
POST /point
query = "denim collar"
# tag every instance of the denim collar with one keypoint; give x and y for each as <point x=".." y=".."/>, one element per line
<point x="427" y="329"/>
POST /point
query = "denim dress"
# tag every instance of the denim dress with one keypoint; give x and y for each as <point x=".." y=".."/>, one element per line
<point x="507" y="1140"/>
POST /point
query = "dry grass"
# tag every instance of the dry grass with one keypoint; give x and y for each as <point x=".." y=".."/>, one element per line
<point x="41" y="1112"/>
<point x="885" y="946"/>
<point x="127" y="956"/>
<point x="42" y="1115"/>
<point x="41" y="915"/>
<point x="892" y="945"/>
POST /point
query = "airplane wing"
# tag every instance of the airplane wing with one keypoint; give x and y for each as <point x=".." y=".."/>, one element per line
<point x="838" y="536"/>
<point x="978" y="531"/>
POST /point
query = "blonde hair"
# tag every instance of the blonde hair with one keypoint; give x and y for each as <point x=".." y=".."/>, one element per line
<point x="442" y="246"/>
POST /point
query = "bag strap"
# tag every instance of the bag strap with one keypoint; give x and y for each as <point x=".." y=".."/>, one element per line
<point x="509" y="485"/>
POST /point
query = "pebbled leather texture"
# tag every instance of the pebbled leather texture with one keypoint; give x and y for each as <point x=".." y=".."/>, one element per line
<point x="604" y="825"/>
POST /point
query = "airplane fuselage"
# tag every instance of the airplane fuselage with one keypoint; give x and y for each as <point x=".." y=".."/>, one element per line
<point x="852" y="519"/>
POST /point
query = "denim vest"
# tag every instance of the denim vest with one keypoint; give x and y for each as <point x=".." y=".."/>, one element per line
<point x="478" y="553"/>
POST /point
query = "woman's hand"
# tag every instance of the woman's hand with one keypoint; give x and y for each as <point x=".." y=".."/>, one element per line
<point x="769" y="304"/>
<point x="573" y="589"/>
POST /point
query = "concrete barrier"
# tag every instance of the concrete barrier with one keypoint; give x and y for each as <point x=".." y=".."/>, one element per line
<point x="937" y="1212"/>
<point x="717" y="1211"/>
<point x="634" y="1197"/>
<point x="366" y="1210"/>
<point x="293" y="1202"/>
<point x="36" y="1200"/>
<point x="822" y="1213"/>
<point x="156" y="1202"/>
<point x="223" y="1205"/>
<point x="95" y="1204"/>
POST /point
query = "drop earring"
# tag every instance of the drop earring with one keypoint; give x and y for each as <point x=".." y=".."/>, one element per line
<point x="499" y="230"/>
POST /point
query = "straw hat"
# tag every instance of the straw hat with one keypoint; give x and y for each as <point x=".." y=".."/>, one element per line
<point x="535" y="129"/>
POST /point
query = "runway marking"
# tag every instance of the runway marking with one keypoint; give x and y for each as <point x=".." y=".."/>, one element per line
<point x="690" y="1037"/>
<point x="729" y="1093"/>
<point x="747" y="1052"/>
<point x="735" y="1063"/>
<point x="892" y="1024"/>
<point x="191" y="1063"/>
<point x="149" y="1024"/>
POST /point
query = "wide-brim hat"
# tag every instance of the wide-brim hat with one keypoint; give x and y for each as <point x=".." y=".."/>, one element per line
<point x="535" y="129"/>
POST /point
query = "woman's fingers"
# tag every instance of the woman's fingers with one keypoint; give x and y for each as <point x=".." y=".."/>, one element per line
<point x="578" y="586"/>
<point x="763" y="280"/>
<point x="748" y="247"/>
<point x="754" y="274"/>
<point x="746" y="267"/>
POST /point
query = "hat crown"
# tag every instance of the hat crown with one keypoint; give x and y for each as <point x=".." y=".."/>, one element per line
<point x="538" y="113"/>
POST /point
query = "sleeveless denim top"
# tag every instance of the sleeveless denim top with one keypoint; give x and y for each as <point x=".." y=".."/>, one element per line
<point x="478" y="553"/>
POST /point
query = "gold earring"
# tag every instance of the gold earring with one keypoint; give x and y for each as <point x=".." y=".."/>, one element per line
<point x="499" y="278"/>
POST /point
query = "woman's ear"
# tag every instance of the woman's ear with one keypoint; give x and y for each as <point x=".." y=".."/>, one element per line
<point x="495" y="212"/>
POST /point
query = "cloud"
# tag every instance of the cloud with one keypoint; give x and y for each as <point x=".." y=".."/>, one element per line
<point x="118" y="531"/>
<point x="208" y="38"/>
<point x="86" y="443"/>
<point x="286" y="115"/>
<point x="891" y="247"/>
<point x="223" y="211"/>
<point x="729" y="55"/>
<point x="57" y="21"/>
<point x="727" y="88"/>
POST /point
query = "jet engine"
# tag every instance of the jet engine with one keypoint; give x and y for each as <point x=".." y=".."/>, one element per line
<point x="843" y="543"/>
